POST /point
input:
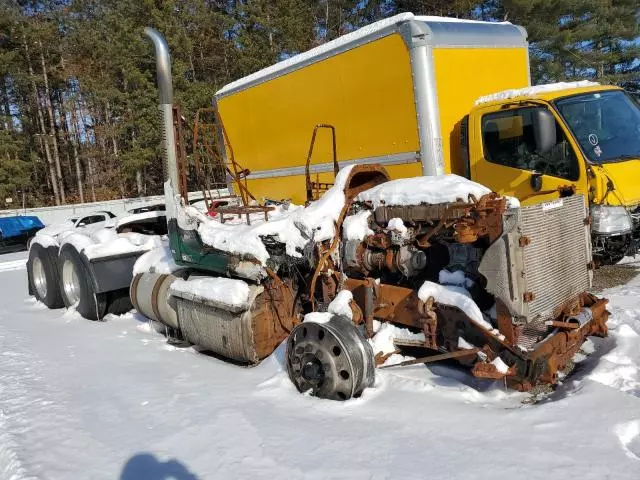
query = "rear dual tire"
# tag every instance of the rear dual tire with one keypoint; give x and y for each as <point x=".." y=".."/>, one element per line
<point x="44" y="278"/>
<point x="76" y="287"/>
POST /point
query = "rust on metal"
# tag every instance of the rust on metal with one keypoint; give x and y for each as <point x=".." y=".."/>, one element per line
<point x="524" y="241"/>
<point x="401" y="342"/>
<point x="216" y="168"/>
<point x="275" y="312"/>
<point x="369" y="296"/>
<point x="505" y="323"/>
<point x="429" y="322"/>
<point x="436" y="358"/>
<point x="315" y="189"/>
<point x="562" y="325"/>
<point x="242" y="211"/>
<point x="360" y="178"/>
<point x="489" y="371"/>
<point x="380" y="357"/>
<point x="528" y="297"/>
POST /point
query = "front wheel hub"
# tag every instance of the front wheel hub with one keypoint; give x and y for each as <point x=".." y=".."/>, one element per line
<point x="331" y="360"/>
<point x="313" y="371"/>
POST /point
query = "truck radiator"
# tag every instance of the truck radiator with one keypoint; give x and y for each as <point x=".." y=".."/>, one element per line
<point x="557" y="256"/>
<point x="539" y="266"/>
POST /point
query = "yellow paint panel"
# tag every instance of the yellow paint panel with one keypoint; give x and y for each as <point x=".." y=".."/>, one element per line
<point x="462" y="76"/>
<point x="270" y="124"/>
<point x="624" y="176"/>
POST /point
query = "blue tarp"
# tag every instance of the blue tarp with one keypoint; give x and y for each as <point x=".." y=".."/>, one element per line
<point x="19" y="225"/>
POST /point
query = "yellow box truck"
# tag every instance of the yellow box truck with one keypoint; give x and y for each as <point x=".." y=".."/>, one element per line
<point x="417" y="94"/>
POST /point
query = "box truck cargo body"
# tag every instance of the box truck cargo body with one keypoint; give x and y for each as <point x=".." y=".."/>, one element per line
<point x="395" y="92"/>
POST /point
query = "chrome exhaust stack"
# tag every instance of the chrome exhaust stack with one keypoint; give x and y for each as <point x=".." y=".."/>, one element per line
<point x="165" y="91"/>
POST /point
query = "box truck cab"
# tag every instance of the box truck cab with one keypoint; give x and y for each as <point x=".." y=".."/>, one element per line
<point x="417" y="95"/>
<point x="543" y="142"/>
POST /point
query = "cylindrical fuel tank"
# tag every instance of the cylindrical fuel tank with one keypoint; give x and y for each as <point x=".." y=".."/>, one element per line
<point x="246" y="333"/>
<point x="149" y="294"/>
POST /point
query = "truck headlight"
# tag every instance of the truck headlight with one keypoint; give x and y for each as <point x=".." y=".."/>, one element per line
<point x="610" y="220"/>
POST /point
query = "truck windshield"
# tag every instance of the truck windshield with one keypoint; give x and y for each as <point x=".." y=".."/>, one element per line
<point x="606" y="124"/>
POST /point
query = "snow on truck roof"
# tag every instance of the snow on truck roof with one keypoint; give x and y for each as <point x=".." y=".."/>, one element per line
<point x="535" y="90"/>
<point x="441" y="30"/>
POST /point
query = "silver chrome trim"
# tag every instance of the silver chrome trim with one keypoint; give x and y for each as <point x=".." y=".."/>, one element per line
<point x="416" y="36"/>
<point x="165" y="94"/>
<point x="70" y="282"/>
<point x="473" y="34"/>
<point x="39" y="277"/>
<point x="395" y="159"/>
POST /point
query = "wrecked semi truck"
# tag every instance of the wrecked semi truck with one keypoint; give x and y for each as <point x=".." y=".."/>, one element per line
<point x="417" y="95"/>
<point x="435" y="264"/>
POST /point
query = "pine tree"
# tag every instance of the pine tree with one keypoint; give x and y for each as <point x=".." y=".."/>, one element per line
<point x="579" y="38"/>
<point x="441" y="8"/>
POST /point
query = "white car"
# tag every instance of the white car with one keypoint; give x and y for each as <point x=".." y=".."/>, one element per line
<point x="99" y="217"/>
<point x="94" y="220"/>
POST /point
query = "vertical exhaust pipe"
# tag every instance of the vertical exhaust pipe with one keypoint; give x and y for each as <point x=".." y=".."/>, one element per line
<point x="165" y="91"/>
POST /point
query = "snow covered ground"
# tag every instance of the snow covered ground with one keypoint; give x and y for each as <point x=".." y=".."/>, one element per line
<point x="111" y="400"/>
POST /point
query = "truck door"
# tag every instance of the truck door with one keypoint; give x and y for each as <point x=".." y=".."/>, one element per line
<point x="507" y="156"/>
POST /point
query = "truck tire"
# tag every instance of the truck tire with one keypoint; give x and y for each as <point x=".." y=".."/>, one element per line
<point x="119" y="302"/>
<point x="44" y="281"/>
<point x="76" y="285"/>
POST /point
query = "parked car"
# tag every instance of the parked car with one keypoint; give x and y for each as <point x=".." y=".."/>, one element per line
<point x="93" y="218"/>
<point x="156" y="207"/>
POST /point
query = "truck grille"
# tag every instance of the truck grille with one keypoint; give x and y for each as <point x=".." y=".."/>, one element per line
<point x="555" y="262"/>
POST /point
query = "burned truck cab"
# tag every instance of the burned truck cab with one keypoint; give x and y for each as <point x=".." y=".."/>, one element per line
<point x="501" y="288"/>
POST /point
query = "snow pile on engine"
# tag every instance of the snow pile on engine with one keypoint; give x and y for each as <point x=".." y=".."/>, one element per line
<point x="417" y="190"/>
<point x="356" y="227"/>
<point x="341" y="306"/>
<point x="456" y="297"/>
<point x="294" y="227"/>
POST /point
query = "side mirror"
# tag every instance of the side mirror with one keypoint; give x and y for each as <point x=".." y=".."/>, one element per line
<point x="544" y="129"/>
<point x="536" y="181"/>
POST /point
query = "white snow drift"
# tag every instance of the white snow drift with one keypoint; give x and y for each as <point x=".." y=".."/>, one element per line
<point x="95" y="400"/>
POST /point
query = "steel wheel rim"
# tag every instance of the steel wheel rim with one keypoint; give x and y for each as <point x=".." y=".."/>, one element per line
<point x="331" y="360"/>
<point x="39" y="277"/>
<point x="70" y="282"/>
